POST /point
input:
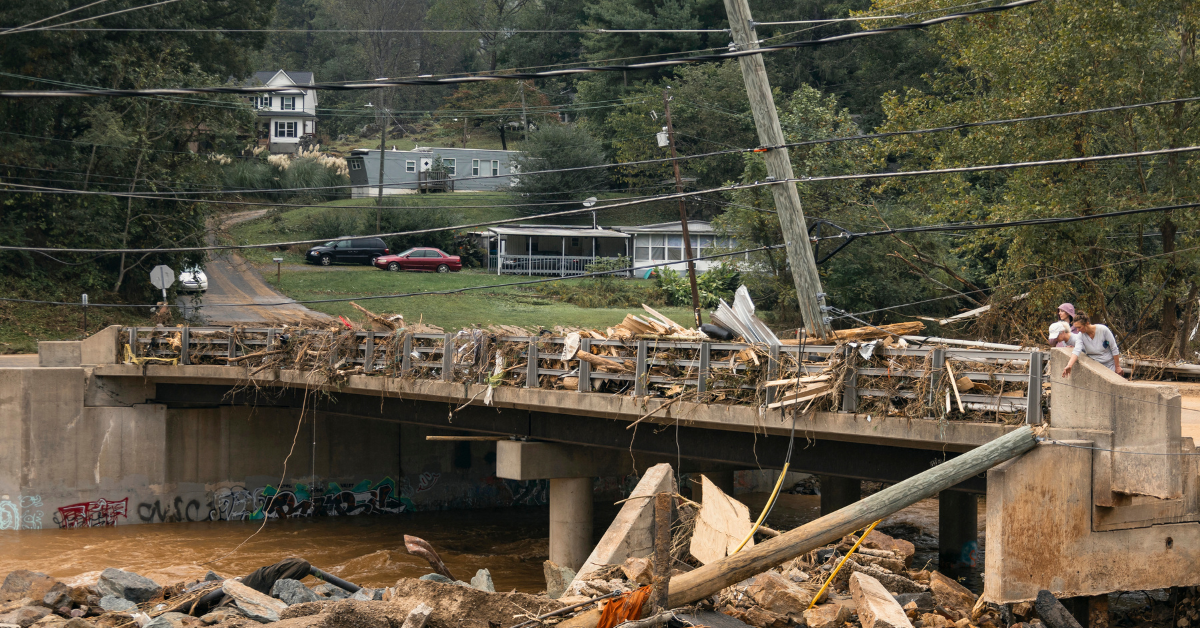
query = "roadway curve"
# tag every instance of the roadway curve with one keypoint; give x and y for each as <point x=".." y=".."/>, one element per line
<point x="231" y="279"/>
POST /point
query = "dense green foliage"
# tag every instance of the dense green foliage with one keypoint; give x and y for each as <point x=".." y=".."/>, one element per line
<point x="718" y="282"/>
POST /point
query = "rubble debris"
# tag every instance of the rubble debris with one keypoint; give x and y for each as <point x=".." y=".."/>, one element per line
<point x="418" y="616"/>
<point x="128" y="585"/>
<point x="721" y="526"/>
<point x="949" y="593"/>
<point x="876" y="607"/>
<point x="24" y="616"/>
<point x="893" y="582"/>
<point x="780" y="595"/>
<point x="292" y="592"/>
<point x="329" y="591"/>
<point x="23" y="583"/>
<point x="1051" y="611"/>
<point x="894" y="330"/>
<point x="557" y="578"/>
<point x="114" y="604"/>
<point x="740" y="319"/>
<point x="254" y="604"/>
<point x="639" y="570"/>
<point x="827" y="616"/>
<point x="483" y="581"/>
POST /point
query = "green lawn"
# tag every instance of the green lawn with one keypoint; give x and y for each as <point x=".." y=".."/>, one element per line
<point x="499" y="305"/>
<point x="22" y="325"/>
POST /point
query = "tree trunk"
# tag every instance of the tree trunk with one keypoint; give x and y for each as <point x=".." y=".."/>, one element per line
<point x="1169" y="321"/>
<point x="503" y="141"/>
<point x="128" y="219"/>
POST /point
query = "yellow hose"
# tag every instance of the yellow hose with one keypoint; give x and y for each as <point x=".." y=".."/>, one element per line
<point x="839" y="567"/>
<point x="766" y="509"/>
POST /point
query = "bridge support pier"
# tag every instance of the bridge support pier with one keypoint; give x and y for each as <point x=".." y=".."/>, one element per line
<point x="958" y="531"/>
<point x="838" y="492"/>
<point x="570" y="521"/>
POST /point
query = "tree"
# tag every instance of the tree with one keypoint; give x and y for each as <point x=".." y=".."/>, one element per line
<point x="495" y="105"/>
<point x="1136" y="273"/>
<point x="555" y="147"/>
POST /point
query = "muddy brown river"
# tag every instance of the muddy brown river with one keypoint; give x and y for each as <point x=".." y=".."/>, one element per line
<point x="511" y="543"/>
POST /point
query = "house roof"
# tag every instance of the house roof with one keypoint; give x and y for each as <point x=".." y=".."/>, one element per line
<point x="564" y="231"/>
<point x="295" y="76"/>
<point x="694" y="226"/>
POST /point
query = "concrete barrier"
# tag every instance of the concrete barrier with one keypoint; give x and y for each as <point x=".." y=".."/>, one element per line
<point x="59" y="353"/>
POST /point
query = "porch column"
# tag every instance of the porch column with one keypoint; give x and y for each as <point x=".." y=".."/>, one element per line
<point x="562" y="263"/>
<point x="529" y="262"/>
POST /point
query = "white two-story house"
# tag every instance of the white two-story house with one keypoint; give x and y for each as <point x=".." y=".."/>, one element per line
<point x="288" y="115"/>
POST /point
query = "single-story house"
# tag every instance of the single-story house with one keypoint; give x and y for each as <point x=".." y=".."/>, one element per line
<point x="663" y="242"/>
<point x="560" y="251"/>
<point x="408" y="171"/>
<point x="288" y="116"/>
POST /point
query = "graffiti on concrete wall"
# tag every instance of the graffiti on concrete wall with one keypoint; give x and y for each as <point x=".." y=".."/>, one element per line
<point x="364" y="498"/>
<point x="94" y="514"/>
<point x="174" y="511"/>
<point x="21" y="514"/>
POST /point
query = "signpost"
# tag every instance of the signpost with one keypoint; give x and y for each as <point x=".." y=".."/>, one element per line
<point x="162" y="277"/>
<point x="84" y="301"/>
<point x="278" y="264"/>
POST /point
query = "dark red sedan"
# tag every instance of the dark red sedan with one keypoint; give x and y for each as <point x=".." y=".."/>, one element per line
<point x="423" y="259"/>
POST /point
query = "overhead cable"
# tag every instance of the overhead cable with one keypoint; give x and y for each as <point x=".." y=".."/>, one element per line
<point x="20" y="30"/>
<point x="667" y="63"/>
<point x="658" y="197"/>
<point x="56" y="15"/>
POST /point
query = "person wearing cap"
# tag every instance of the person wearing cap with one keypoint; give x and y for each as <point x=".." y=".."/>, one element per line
<point x="1061" y="334"/>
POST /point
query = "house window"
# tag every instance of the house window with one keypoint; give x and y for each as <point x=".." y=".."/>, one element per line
<point x="451" y="169"/>
<point x="410" y="166"/>
<point x="474" y="167"/>
<point x="285" y="129"/>
<point x="356" y="164"/>
<point x="260" y="102"/>
<point x="287" y="103"/>
<point x="495" y="168"/>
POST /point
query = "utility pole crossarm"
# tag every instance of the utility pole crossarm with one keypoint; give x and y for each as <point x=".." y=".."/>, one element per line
<point x="779" y="166"/>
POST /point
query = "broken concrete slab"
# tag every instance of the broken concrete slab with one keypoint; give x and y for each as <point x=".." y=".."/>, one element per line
<point x="632" y="531"/>
<point x="721" y="526"/>
<point x="25" y="616"/>
<point x="255" y="605"/>
<point x="892" y="582"/>
<point x="780" y="595"/>
<point x="557" y="579"/>
<point x="826" y="616"/>
<point x="639" y="570"/>
<point x="950" y="594"/>
<point x="128" y="585"/>
<point x="876" y="607"/>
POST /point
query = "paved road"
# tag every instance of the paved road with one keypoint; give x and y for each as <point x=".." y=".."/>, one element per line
<point x="231" y="279"/>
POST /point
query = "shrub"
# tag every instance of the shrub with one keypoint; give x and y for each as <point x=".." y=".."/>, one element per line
<point x="718" y="282"/>
<point x="335" y="223"/>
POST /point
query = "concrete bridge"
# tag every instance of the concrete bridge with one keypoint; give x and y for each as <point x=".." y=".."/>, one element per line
<point x="92" y="437"/>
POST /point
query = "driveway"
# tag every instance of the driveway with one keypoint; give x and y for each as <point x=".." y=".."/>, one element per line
<point x="233" y="280"/>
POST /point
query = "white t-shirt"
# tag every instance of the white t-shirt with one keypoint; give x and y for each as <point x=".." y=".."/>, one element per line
<point x="1101" y="348"/>
<point x="1059" y="327"/>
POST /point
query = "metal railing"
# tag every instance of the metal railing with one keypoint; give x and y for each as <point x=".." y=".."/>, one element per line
<point x="641" y="367"/>
<point x="547" y="265"/>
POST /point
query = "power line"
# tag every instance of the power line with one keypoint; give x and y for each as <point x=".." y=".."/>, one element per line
<point x="17" y="28"/>
<point x="734" y="54"/>
<point x="411" y="294"/>
<point x="391" y="31"/>
<point x="20" y="30"/>
<point x="654" y="198"/>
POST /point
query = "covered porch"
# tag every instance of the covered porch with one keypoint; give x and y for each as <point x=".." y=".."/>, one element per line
<point x="560" y="251"/>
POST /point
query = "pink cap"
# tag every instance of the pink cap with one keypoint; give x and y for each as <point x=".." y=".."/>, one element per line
<point x="1068" y="308"/>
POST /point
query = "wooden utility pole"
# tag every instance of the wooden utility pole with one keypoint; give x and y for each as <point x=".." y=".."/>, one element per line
<point x="524" y="118"/>
<point x="779" y="167"/>
<point x="683" y="220"/>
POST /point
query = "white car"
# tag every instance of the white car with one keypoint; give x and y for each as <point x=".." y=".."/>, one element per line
<point x="193" y="279"/>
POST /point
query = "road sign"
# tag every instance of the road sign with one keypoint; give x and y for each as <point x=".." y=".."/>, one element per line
<point x="162" y="277"/>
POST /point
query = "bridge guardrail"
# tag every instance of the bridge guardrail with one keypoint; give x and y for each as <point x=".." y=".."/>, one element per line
<point x="868" y="378"/>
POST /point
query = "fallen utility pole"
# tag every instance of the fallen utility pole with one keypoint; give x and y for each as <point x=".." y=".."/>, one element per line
<point x="683" y="220"/>
<point x="696" y="585"/>
<point x="779" y="167"/>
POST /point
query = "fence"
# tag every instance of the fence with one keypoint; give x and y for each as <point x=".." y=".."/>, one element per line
<point x="907" y="381"/>
<point x="552" y="265"/>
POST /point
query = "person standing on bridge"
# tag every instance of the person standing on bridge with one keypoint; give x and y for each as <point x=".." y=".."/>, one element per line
<point x="1098" y="342"/>
<point x="1061" y="334"/>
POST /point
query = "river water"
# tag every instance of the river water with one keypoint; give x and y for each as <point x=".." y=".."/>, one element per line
<point x="511" y="543"/>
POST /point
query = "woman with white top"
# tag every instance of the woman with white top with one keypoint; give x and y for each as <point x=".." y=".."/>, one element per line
<point x="1098" y="342"/>
<point x="1060" y="332"/>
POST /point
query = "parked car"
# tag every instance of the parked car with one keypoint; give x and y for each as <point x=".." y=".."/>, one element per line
<point x="423" y="259"/>
<point x="349" y="251"/>
<point x="192" y="279"/>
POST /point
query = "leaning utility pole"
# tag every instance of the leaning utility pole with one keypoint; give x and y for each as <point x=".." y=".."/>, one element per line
<point x="779" y="167"/>
<point x="683" y="220"/>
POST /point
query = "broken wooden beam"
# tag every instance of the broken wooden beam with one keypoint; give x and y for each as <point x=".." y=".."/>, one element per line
<point x="696" y="585"/>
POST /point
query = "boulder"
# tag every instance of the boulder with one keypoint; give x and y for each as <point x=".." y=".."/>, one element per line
<point x="171" y="620"/>
<point x="758" y="617"/>
<point x="933" y="620"/>
<point x="777" y="594"/>
<point x="436" y="577"/>
<point x="879" y="540"/>
<point x="15" y="604"/>
<point x="212" y="576"/>
<point x="255" y="605"/>
<point x="639" y="570"/>
<point x="128" y="585"/>
<point x="58" y="595"/>
<point x="557" y="579"/>
<point x="50" y="621"/>
<point x="79" y="595"/>
<point x="114" y="604"/>
<point x="826" y="616"/>
<point x="950" y="594"/>
<point x="924" y="600"/>
<point x="23" y="583"/>
<point x="292" y="592"/>
<point x="876" y="607"/>
<point x="890" y="581"/>
<point x="483" y="581"/>
<point x="331" y="592"/>
<point x="25" y="616"/>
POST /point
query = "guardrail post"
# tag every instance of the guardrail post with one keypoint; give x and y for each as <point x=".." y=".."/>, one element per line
<point x="937" y="365"/>
<point x="1033" y="396"/>
<point x="448" y="358"/>
<point x="772" y="371"/>
<point x="585" y="368"/>
<point x="641" y="377"/>
<point x="369" y="357"/>
<point x="270" y="338"/>
<point x="850" y="384"/>
<point x="406" y="349"/>
<point x="185" y="345"/>
<point x="531" y="368"/>
<point x="133" y="341"/>
<point x="702" y="375"/>
<point x="231" y="350"/>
